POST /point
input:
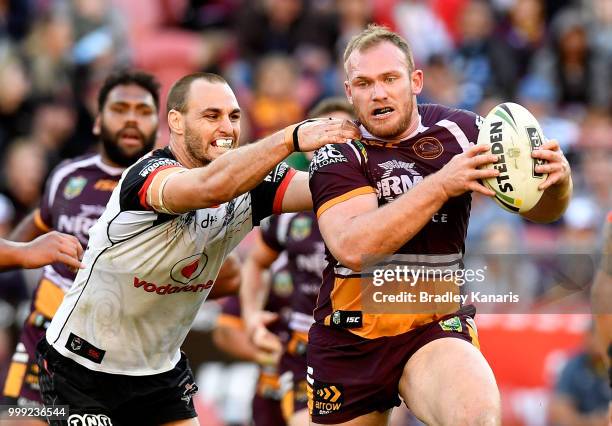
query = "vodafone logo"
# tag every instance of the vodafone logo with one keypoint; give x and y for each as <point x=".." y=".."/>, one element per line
<point x="165" y="289"/>
<point x="188" y="269"/>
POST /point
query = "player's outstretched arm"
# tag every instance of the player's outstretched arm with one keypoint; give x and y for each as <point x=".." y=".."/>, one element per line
<point x="358" y="232"/>
<point x="46" y="249"/>
<point x="557" y="187"/>
<point x="240" y="170"/>
<point x="297" y="197"/>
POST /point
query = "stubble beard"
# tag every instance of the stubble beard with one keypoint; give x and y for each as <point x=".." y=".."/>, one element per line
<point x="383" y="132"/>
<point x="195" y="149"/>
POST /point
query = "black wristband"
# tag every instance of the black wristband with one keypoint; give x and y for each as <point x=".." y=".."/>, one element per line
<point x="296" y="144"/>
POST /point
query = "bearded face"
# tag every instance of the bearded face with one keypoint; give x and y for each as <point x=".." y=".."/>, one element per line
<point x="127" y="124"/>
<point x="126" y="145"/>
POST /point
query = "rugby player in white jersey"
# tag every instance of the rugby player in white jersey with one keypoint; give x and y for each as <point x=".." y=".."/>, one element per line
<point x="112" y="352"/>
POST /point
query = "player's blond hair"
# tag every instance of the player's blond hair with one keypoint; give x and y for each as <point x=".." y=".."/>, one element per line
<point x="374" y="35"/>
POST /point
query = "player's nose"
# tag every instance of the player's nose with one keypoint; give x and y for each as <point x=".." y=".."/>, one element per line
<point x="225" y="125"/>
<point x="130" y="116"/>
<point x="378" y="91"/>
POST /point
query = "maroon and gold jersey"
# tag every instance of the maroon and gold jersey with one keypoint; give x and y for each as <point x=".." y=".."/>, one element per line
<point x="298" y="236"/>
<point x="75" y="197"/>
<point x="340" y="172"/>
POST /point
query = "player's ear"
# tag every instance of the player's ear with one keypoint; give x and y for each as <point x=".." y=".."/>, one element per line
<point x="347" y="90"/>
<point x="96" y="130"/>
<point x="416" y="81"/>
<point x="176" y="122"/>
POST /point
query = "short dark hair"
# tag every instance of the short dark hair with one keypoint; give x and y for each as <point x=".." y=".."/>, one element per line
<point x="328" y="105"/>
<point x="177" y="97"/>
<point x="127" y="77"/>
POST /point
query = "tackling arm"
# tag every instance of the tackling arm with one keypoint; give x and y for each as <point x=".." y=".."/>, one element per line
<point x="240" y="170"/>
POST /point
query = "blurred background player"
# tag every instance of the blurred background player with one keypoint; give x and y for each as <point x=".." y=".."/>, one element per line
<point x="582" y="390"/>
<point x="296" y="236"/>
<point x="44" y="250"/>
<point x="76" y="195"/>
<point x="230" y="336"/>
<point x="601" y="300"/>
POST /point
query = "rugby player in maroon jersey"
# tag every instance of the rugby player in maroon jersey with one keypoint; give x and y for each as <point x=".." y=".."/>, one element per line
<point x="402" y="191"/>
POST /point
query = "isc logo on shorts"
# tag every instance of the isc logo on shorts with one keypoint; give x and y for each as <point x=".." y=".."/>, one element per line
<point x="89" y="420"/>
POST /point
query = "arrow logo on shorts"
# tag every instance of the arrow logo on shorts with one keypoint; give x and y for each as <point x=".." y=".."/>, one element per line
<point x="330" y="394"/>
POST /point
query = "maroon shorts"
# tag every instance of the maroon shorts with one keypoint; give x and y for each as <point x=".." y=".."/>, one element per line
<point x="293" y="377"/>
<point x="21" y="385"/>
<point x="267" y="412"/>
<point x="349" y="376"/>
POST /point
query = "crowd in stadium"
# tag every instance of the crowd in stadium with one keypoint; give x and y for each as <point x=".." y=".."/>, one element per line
<point x="282" y="56"/>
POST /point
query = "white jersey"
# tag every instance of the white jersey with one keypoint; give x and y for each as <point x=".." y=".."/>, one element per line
<point x="148" y="273"/>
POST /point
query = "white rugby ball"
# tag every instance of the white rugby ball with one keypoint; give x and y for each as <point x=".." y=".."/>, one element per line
<point x="513" y="133"/>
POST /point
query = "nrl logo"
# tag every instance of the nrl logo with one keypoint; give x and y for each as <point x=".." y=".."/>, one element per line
<point x="74" y="187"/>
<point x="76" y="344"/>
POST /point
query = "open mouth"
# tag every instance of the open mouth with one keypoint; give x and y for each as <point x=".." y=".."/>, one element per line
<point x="222" y="143"/>
<point x="131" y="136"/>
<point x="381" y="112"/>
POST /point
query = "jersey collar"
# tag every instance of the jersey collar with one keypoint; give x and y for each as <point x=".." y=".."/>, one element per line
<point x="113" y="171"/>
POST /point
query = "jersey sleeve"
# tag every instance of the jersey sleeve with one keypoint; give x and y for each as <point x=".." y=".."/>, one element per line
<point x="43" y="216"/>
<point x="140" y="178"/>
<point x="269" y="233"/>
<point x="337" y="175"/>
<point x="267" y="197"/>
<point x="469" y="123"/>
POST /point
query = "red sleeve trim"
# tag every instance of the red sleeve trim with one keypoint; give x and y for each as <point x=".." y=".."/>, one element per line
<point x="277" y="206"/>
<point x="142" y="194"/>
<point x="610" y="216"/>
